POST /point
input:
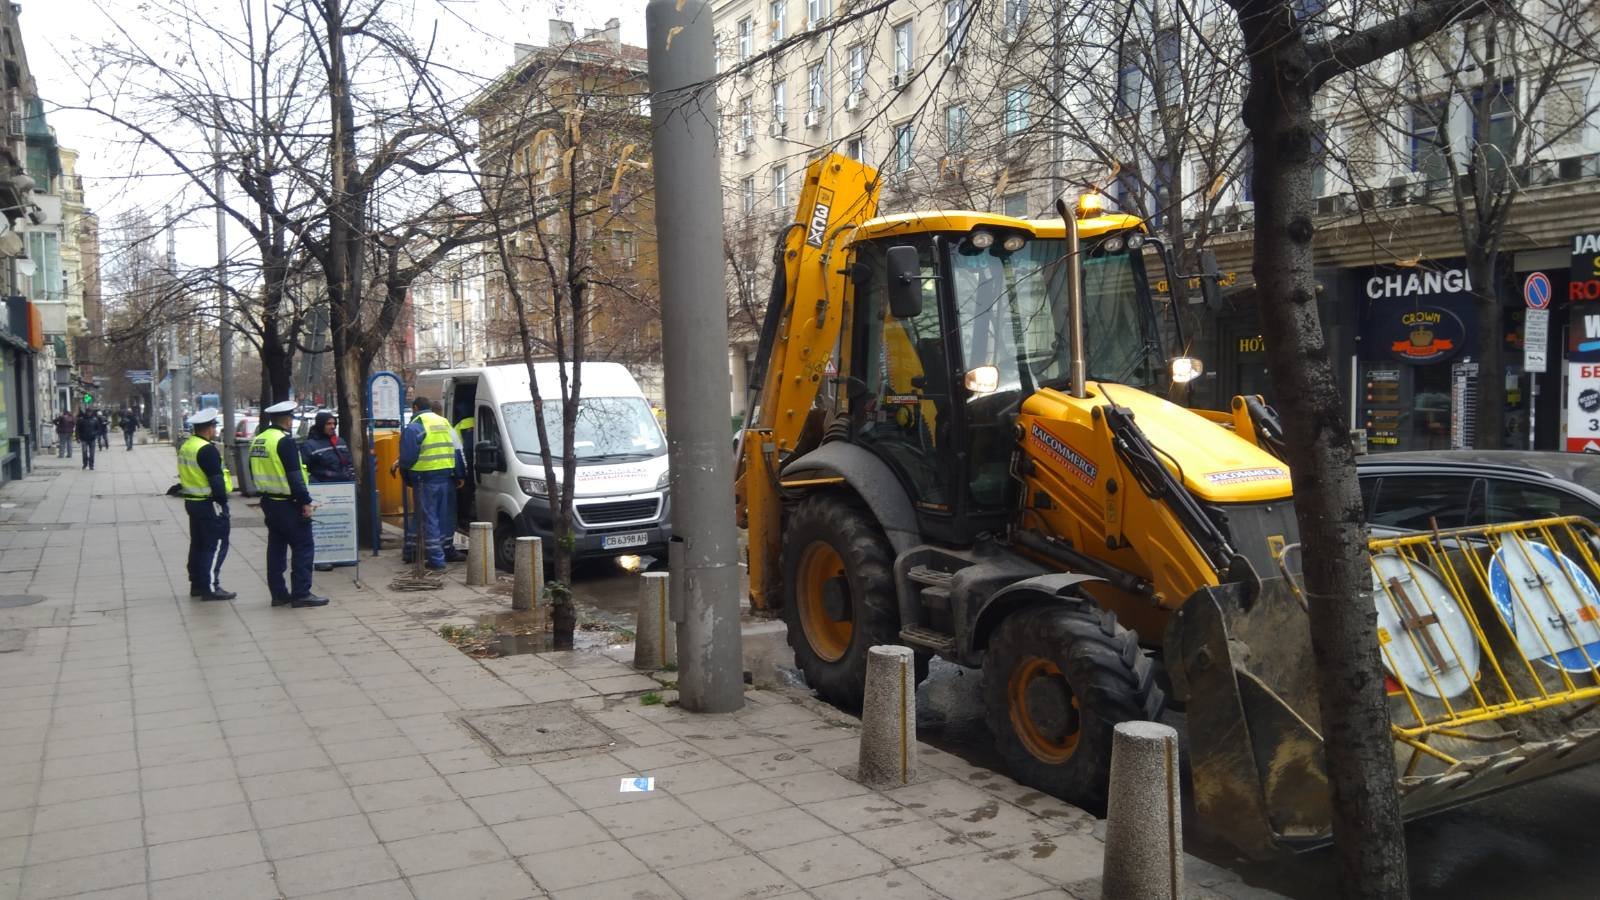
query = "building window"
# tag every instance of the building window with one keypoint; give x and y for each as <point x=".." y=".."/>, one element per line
<point x="903" y="53"/>
<point x="780" y="15"/>
<point x="623" y="248"/>
<point x="1015" y="205"/>
<point x="780" y="102"/>
<point x="955" y="27"/>
<point x="955" y="129"/>
<point x="856" y="149"/>
<point x="780" y="187"/>
<point x="747" y="119"/>
<point x="1016" y="110"/>
<point x="857" y="67"/>
<point x="747" y="196"/>
<point x="1016" y="12"/>
<point x="816" y="11"/>
<point x="1169" y="65"/>
<point x="1130" y="86"/>
<point x="814" y="92"/>
<point x="1427" y="153"/>
<point x="903" y="136"/>
<point x="747" y="37"/>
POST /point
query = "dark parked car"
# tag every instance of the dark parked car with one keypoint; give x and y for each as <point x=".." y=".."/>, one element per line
<point x="1457" y="488"/>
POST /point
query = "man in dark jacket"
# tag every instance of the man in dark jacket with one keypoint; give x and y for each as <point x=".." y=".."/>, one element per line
<point x="130" y="422"/>
<point x="66" y="426"/>
<point x="88" y="436"/>
<point x="102" y="429"/>
<point x="327" y="458"/>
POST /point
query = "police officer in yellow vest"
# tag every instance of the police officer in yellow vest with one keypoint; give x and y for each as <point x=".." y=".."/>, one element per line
<point x="205" y="484"/>
<point x="430" y="453"/>
<point x="280" y="477"/>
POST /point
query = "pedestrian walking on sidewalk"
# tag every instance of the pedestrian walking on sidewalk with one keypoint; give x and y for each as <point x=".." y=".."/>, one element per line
<point x="66" y="426"/>
<point x="88" y="436"/>
<point x="206" y="484"/>
<point x="102" y="429"/>
<point x="430" y="454"/>
<point x="280" y="476"/>
<point x="130" y="423"/>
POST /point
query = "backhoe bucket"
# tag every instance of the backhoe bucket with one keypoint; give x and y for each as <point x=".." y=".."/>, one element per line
<point x="1490" y="638"/>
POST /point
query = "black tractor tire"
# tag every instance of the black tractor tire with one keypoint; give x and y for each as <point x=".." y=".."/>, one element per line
<point x="1077" y="674"/>
<point x="848" y="530"/>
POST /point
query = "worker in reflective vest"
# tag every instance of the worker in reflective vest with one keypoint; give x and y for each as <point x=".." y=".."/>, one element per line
<point x="205" y="484"/>
<point x="430" y="454"/>
<point x="280" y="476"/>
<point x="461" y="498"/>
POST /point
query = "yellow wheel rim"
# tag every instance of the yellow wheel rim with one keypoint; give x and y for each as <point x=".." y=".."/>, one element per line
<point x="1049" y="741"/>
<point x="819" y="564"/>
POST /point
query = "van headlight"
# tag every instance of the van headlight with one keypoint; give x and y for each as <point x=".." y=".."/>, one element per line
<point x="533" y="487"/>
<point x="664" y="480"/>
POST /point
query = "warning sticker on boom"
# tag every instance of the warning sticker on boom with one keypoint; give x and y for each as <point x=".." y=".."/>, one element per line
<point x="817" y="228"/>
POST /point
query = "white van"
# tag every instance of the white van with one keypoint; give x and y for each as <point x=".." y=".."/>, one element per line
<point x="620" y="502"/>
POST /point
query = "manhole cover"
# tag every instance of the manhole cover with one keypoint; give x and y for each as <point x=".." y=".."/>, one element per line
<point x="11" y="601"/>
<point x="529" y="730"/>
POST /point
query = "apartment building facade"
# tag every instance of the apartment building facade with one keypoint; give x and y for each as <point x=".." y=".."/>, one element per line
<point x="565" y="132"/>
<point x="449" y="312"/>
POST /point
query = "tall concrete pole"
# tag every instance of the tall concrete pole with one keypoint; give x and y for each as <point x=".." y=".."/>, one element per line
<point x="224" y="309"/>
<point x="174" y="411"/>
<point x="694" y="338"/>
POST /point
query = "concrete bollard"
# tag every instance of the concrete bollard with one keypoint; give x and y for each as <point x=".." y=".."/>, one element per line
<point x="655" y="640"/>
<point x="1144" y="823"/>
<point x="528" y="566"/>
<point x="480" y="553"/>
<point x="889" y="718"/>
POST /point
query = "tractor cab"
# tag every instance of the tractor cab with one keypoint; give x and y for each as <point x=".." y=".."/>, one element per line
<point x="958" y="317"/>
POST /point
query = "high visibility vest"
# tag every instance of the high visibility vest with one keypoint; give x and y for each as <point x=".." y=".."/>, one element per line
<point x="466" y="425"/>
<point x="438" y="452"/>
<point x="192" y="478"/>
<point x="267" y="469"/>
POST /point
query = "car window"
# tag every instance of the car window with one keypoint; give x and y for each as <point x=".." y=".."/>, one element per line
<point x="1513" y="501"/>
<point x="1419" y="502"/>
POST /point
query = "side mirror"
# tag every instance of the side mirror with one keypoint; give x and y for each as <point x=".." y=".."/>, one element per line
<point x="486" y="458"/>
<point x="905" y="282"/>
<point x="1210" y="278"/>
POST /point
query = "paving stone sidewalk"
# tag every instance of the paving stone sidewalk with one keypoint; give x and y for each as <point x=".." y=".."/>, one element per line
<point x="155" y="746"/>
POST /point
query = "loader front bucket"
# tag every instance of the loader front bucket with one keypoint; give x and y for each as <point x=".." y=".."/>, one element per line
<point x="1490" y="638"/>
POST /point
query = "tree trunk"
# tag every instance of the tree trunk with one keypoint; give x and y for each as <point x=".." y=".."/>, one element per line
<point x="1490" y="431"/>
<point x="1367" y="827"/>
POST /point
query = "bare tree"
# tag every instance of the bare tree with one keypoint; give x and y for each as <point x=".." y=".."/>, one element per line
<point x="565" y="166"/>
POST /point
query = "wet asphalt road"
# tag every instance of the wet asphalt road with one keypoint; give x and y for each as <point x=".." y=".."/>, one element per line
<point x="1537" y="841"/>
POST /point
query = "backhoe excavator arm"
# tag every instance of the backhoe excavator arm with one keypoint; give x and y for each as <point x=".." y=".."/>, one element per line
<point x="809" y="302"/>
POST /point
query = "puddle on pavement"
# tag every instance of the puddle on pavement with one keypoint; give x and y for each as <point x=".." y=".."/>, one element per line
<point x="517" y="633"/>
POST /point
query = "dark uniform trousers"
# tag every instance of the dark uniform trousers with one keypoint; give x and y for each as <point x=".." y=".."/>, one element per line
<point x="208" y="544"/>
<point x="288" y="532"/>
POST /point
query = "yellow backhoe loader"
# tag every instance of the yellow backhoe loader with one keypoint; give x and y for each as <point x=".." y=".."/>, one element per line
<point x="958" y="441"/>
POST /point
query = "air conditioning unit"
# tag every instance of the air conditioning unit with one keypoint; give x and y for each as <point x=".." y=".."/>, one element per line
<point x="852" y="101"/>
<point x="1405" y="188"/>
<point x="894" y="81"/>
<point x="813" y="118"/>
<point x="1234" y="217"/>
<point x="1336" y="205"/>
<point x="741" y="147"/>
<point x="1572" y="168"/>
<point x="777" y="127"/>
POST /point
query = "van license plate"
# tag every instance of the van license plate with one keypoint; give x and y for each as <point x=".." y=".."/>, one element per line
<point x="614" y="541"/>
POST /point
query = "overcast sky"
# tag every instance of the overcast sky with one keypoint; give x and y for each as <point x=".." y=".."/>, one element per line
<point x="478" y="33"/>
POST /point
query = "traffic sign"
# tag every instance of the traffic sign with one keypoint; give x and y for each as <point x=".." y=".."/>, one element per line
<point x="137" y="376"/>
<point x="1536" y="290"/>
<point x="1535" y="339"/>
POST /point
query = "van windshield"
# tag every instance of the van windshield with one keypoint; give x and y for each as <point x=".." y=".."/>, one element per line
<point x="607" y="428"/>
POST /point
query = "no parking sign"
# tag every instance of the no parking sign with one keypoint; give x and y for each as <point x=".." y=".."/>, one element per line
<point x="1536" y="322"/>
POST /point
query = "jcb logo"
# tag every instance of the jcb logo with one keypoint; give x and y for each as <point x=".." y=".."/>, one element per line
<point x="818" y="228"/>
